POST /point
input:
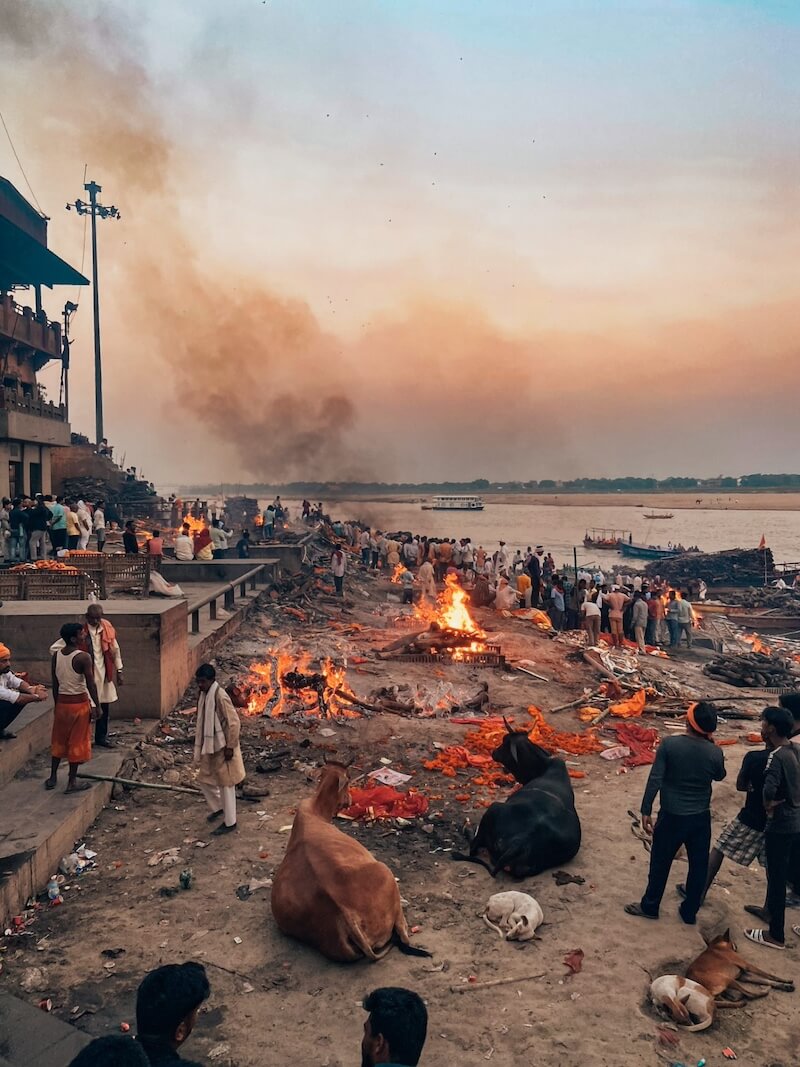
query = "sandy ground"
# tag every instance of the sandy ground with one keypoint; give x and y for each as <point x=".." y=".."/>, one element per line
<point x="718" y="500"/>
<point x="285" y="1004"/>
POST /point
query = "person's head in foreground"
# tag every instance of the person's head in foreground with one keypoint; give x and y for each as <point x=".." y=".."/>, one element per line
<point x="791" y="701"/>
<point x="168" y="1001"/>
<point x="701" y="719"/>
<point x="777" y="724"/>
<point x="395" y="1029"/>
<point x="205" y="676"/>
<point x="115" y="1050"/>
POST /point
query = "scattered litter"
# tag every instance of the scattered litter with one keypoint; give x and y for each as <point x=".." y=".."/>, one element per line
<point x="259" y="883"/>
<point x="34" y="980"/>
<point x="247" y="988"/>
<point x="574" y="961"/>
<point x="186" y="878"/>
<point x="236" y="941"/>
<point x="218" y="1051"/>
<point x="387" y="777"/>
<point x="616" y="752"/>
<point x="729" y="1054"/>
<point x="113" y="953"/>
<point x="565" y="878"/>
<point x="243" y="892"/>
<point x="46" y="1005"/>
<point x="167" y="857"/>
<point x="327" y="732"/>
<point x="125" y="1028"/>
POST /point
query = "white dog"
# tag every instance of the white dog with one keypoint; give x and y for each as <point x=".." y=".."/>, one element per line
<point x="513" y="915"/>
<point x="689" y="1003"/>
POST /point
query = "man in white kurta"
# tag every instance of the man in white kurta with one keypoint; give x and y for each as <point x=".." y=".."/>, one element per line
<point x="102" y="645"/>
<point x="216" y="749"/>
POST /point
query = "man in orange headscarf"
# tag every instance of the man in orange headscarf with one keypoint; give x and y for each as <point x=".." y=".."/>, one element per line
<point x="14" y="694"/>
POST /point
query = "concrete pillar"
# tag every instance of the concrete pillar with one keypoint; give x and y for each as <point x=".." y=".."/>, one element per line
<point x="31" y="454"/>
<point x="4" y="480"/>
<point x="46" y="471"/>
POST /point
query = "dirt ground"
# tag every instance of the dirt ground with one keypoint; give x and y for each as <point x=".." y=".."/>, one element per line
<point x="277" y="1002"/>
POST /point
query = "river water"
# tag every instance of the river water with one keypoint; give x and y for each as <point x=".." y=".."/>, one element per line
<point x="561" y="528"/>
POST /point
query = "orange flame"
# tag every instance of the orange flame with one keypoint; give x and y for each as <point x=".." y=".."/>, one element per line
<point x="396" y="573"/>
<point x="757" y="644"/>
<point x="451" y="612"/>
<point x="195" y="525"/>
<point x="268" y="694"/>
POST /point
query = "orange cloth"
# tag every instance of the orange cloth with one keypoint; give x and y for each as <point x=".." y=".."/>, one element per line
<point x="5" y="650"/>
<point x="72" y="729"/>
<point x="630" y="708"/>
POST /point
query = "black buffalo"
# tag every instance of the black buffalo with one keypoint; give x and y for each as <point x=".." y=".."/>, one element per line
<point x="537" y="827"/>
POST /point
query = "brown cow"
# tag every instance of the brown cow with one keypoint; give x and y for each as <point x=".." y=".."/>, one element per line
<point x="330" y="892"/>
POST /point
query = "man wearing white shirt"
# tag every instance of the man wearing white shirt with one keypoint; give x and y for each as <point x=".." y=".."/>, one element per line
<point x="99" y="525"/>
<point x="184" y="547"/>
<point x="14" y="694"/>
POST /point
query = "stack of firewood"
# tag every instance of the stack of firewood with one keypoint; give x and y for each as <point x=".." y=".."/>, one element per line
<point x="738" y="566"/>
<point x="753" y="669"/>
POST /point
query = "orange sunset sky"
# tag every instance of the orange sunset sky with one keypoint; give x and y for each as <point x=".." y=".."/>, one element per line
<point x="424" y="240"/>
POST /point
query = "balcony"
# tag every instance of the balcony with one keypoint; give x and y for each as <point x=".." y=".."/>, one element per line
<point x="23" y="326"/>
<point x="28" y="417"/>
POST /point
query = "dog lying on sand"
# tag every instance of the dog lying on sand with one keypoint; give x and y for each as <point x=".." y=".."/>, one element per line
<point x="513" y="915"/>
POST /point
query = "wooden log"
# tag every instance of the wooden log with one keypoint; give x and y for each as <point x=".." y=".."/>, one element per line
<point x="135" y="784"/>
<point x="494" y="982"/>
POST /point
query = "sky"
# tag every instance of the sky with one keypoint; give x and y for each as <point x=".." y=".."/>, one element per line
<point x="426" y="240"/>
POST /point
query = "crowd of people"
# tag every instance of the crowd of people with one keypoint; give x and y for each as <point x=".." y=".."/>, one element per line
<point x="42" y="527"/>
<point x="170" y="999"/>
<point x="623" y="605"/>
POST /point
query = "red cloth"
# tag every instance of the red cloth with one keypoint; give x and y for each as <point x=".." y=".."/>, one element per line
<point x="641" y="740"/>
<point x="384" y="802"/>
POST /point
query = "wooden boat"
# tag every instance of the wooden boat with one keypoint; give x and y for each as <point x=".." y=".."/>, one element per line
<point x="607" y="540"/>
<point x="659" y="515"/>
<point x="648" y="551"/>
<point x="766" y="621"/>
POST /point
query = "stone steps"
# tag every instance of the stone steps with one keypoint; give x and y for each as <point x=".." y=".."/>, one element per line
<point x="31" y="1038"/>
<point x="39" y="826"/>
<point x="33" y="727"/>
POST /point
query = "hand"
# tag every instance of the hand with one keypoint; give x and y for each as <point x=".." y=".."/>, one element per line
<point x="37" y="695"/>
<point x="120" y="679"/>
<point x="648" y="825"/>
<point x="228" y="752"/>
<point x="94" y="714"/>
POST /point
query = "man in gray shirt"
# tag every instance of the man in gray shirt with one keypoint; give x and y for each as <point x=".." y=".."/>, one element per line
<point x="639" y="619"/>
<point x="684" y="769"/>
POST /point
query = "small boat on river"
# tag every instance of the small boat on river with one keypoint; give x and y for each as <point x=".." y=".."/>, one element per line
<point x="649" y="551"/>
<point x="607" y="540"/>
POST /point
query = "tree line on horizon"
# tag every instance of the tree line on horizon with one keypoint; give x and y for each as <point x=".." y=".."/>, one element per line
<point x="321" y="490"/>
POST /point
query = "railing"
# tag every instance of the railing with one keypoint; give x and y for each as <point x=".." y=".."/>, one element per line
<point x="228" y="593"/>
<point x="23" y="325"/>
<point x="12" y="400"/>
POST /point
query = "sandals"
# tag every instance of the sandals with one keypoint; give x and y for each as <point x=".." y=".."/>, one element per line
<point x="757" y="937"/>
<point x="636" y="909"/>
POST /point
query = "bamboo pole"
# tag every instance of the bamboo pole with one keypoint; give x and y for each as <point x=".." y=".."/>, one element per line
<point x="494" y="982"/>
<point x="143" y="785"/>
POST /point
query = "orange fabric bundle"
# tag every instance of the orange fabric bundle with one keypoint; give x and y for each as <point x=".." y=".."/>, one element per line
<point x="630" y="708"/>
<point x="383" y="802"/>
<point x="587" y="714"/>
<point x="555" y="740"/>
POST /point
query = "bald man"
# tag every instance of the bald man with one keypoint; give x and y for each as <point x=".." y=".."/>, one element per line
<point x="14" y="694"/>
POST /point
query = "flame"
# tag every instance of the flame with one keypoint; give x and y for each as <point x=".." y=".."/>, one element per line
<point x="756" y="644"/>
<point x="268" y="694"/>
<point x="679" y="596"/>
<point x="195" y="525"/>
<point x="450" y="611"/>
<point x="396" y="573"/>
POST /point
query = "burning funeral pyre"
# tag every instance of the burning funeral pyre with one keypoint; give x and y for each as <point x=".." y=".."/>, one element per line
<point x="452" y="635"/>
<point x="284" y="683"/>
